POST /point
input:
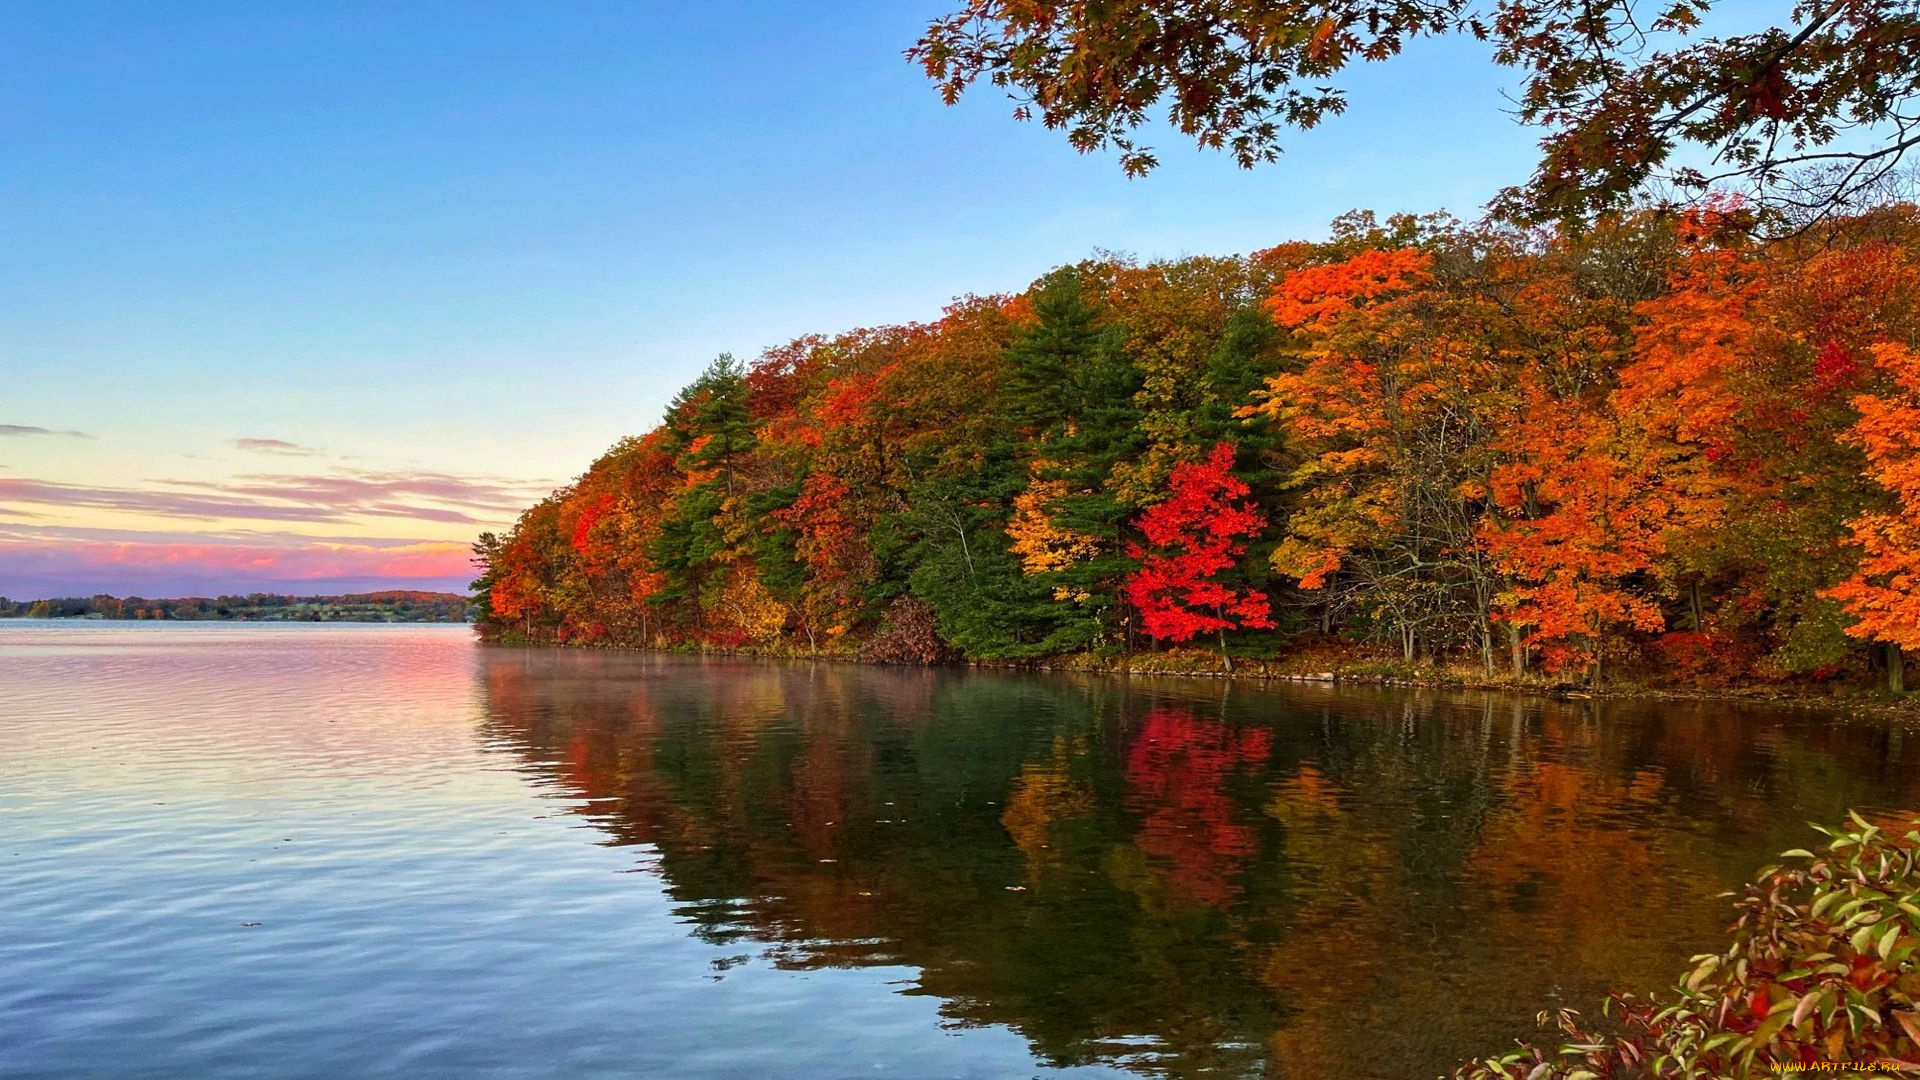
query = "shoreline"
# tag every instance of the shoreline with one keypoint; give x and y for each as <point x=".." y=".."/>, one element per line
<point x="1191" y="665"/>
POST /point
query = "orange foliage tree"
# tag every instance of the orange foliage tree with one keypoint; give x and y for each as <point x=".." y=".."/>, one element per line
<point x="1884" y="594"/>
<point x="1577" y="528"/>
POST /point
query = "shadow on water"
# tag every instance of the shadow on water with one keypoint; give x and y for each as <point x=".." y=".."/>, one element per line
<point x="1190" y="878"/>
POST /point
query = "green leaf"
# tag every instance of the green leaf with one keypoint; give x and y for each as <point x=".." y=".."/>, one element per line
<point x="1862" y="938"/>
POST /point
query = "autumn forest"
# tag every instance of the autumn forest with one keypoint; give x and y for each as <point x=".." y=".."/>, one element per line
<point x="1646" y="451"/>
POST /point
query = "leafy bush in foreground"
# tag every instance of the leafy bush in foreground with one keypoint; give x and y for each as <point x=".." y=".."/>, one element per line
<point x="1822" y="972"/>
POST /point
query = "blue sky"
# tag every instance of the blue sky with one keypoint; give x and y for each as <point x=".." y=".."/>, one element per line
<point x="476" y="243"/>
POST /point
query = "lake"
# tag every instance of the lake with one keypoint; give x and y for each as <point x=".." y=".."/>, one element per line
<point x="233" y="850"/>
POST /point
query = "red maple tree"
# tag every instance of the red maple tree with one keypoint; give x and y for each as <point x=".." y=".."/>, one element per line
<point x="1198" y="532"/>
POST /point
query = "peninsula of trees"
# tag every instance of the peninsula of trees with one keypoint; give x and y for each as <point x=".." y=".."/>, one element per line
<point x="393" y="605"/>
<point x="1646" y="447"/>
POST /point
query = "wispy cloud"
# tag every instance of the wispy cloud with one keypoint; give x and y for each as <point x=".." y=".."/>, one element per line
<point x="161" y="503"/>
<point x="29" y="429"/>
<point x="336" y="496"/>
<point x="364" y="487"/>
<point x="232" y="535"/>
<point x="275" y="446"/>
<point x="29" y="533"/>
<point x="39" y="566"/>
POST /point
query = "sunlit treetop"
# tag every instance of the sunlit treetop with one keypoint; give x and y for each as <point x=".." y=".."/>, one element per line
<point x="1807" y="115"/>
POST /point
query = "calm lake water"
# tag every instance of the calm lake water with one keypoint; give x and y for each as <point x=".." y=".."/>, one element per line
<point x="340" y="851"/>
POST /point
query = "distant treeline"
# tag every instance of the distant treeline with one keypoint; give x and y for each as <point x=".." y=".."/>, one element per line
<point x="400" y="605"/>
<point x="1651" y="448"/>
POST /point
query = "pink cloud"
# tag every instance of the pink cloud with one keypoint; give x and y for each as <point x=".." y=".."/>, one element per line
<point x="332" y="496"/>
<point x="206" y="558"/>
<point x="34" y="429"/>
<point x="31" y="567"/>
<point x="27" y="492"/>
<point x="275" y="446"/>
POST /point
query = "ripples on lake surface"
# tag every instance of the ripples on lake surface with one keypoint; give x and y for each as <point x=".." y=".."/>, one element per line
<point x="334" y="851"/>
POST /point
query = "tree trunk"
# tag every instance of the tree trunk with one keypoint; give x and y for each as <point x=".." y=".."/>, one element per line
<point x="1517" y="641"/>
<point x="1486" y="647"/>
<point x="1224" y="658"/>
<point x="1896" y="669"/>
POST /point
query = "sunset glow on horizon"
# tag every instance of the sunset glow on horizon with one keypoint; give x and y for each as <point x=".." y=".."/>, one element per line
<point x="272" y="516"/>
<point x="86" y="512"/>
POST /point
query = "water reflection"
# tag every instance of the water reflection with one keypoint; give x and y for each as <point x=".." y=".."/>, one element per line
<point x="1189" y="879"/>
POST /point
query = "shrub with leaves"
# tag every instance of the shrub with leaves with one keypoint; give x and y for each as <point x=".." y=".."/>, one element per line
<point x="909" y="634"/>
<point x="1822" y="971"/>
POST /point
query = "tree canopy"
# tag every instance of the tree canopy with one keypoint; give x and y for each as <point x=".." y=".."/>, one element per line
<point x="1807" y="115"/>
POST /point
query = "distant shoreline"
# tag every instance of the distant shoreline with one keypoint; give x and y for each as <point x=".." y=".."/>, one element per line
<point x="389" y="606"/>
<point x="306" y="621"/>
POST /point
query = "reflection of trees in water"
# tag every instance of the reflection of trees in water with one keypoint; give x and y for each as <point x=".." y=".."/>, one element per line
<point x="1177" y="775"/>
<point x="1293" y="882"/>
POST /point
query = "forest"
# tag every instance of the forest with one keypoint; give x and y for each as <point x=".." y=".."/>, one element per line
<point x="1648" y="449"/>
